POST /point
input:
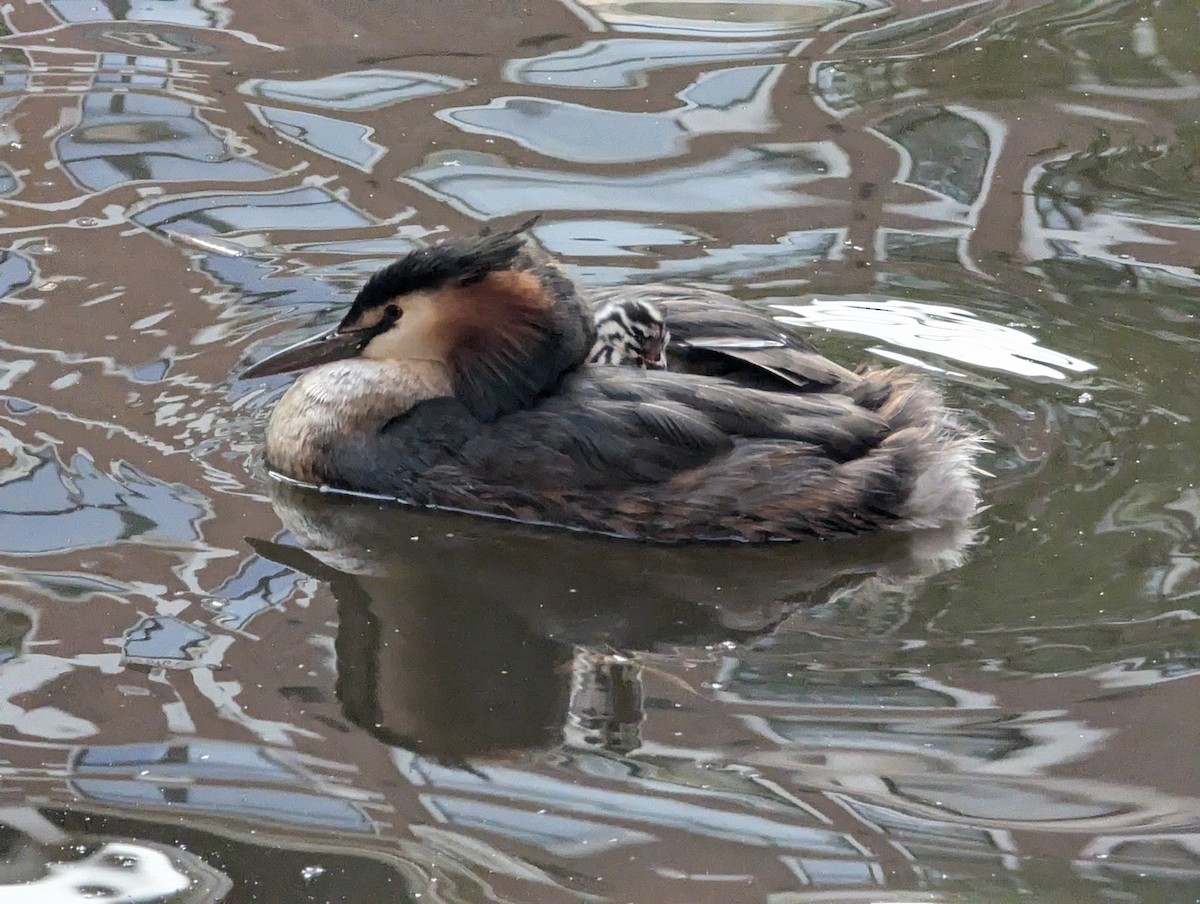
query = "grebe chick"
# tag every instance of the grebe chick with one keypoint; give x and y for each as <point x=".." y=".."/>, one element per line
<point x="630" y="332"/>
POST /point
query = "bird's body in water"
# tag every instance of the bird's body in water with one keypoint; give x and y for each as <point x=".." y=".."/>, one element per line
<point x="472" y="375"/>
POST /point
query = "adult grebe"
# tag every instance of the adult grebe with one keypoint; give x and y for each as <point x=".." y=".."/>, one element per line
<point x="460" y="378"/>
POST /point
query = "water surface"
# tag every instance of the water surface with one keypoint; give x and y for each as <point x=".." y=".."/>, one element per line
<point x="213" y="687"/>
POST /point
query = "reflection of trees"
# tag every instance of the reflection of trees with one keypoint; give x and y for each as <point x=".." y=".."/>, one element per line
<point x="1160" y="177"/>
<point x="1123" y="864"/>
<point x="1107" y="285"/>
<point x="1052" y="48"/>
<point x="949" y="152"/>
<point x="845" y="84"/>
<point x="1140" y="44"/>
<point x="14" y="626"/>
<point x="1062" y="45"/>
<point x="1004" y="65"/>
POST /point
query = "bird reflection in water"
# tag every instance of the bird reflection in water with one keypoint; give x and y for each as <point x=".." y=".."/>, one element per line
<point x="462" y="638"/>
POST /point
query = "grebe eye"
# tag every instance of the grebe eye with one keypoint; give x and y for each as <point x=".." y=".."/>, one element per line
<point x="392" y="312"/>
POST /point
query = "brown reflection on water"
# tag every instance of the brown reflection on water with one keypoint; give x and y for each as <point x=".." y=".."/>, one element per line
<point x="367" y="703"/>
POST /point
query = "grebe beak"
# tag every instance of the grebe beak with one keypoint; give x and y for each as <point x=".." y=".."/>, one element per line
<point x="654" y="350"/>
<point x="332" y="345"/>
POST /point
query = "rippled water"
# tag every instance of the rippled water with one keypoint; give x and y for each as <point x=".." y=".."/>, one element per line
<point x="215" y="688"/>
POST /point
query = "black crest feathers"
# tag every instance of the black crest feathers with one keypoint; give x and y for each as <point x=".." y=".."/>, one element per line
<point x="455" y="262"/>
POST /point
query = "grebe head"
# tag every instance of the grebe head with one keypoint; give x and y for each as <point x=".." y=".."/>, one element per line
<point x="504" y="323"/>
<point x="630" y="332"/>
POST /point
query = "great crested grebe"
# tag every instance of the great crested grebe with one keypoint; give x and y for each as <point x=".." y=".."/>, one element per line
<point x="460" y="378"/>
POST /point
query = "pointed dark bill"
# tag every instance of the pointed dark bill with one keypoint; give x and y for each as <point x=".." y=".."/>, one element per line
<point x="320" y="349"/>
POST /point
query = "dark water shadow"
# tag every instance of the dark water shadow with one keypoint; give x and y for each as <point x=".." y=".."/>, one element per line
<point x="457" y="635"/>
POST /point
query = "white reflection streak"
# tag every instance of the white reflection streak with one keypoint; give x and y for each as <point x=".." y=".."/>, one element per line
<point x="214" y="246"/>
<point x="947" y="332"/>
<point x="117" y="871"/>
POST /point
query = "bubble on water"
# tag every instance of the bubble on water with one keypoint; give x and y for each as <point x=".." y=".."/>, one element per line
<point x="312" y="872"/>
